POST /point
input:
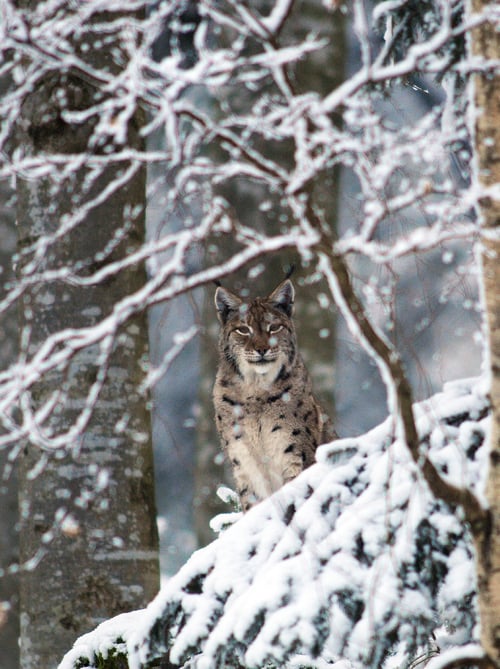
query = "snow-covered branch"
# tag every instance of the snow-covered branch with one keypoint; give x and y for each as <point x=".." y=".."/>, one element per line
<point x="340" y="563"/>
<point x="232" y="114"/>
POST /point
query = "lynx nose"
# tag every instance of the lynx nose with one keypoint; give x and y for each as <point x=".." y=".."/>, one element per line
<point x="261" y="350"/>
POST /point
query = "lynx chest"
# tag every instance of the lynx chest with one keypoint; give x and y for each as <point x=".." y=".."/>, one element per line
<point x="269" y="437"/>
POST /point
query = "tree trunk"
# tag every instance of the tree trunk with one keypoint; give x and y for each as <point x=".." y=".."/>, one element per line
<point x="485" y="44"/>
<point x="88" y="542"/>
<point x="9" y="549"/>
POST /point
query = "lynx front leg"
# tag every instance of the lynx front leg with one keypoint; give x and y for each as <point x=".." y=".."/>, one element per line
<point x="253" y="472"/>
<point x="297" y="456"/>
<point x="294" y="464"/>
<point x="248" y="497"/>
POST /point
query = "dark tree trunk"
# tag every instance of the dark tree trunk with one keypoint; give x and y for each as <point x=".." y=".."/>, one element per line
<point x="9" y="540"/>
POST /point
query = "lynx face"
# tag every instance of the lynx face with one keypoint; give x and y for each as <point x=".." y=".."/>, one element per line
<point x="258" y="338"/>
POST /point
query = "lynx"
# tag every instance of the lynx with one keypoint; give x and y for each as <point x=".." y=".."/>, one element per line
<point x="268" y="419"/>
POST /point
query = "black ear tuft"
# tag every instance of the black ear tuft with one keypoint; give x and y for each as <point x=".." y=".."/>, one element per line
<point x="225" y="303"/>
<point x="283" y="297"/>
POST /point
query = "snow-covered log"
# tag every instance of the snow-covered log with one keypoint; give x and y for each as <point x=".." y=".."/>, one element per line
<point x="353" y="564"/>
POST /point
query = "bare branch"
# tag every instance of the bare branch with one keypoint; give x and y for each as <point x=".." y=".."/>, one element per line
<point x="400" y="399"/>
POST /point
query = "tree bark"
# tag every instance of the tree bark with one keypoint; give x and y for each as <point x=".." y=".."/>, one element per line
<point x="485" y="45"/>
<point x="9" y="549"/>
<point x="88" y="542"/>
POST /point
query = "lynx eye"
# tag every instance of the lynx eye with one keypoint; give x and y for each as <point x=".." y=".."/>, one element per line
<point x="244" y="330"/>
<point x="274" y="328"/>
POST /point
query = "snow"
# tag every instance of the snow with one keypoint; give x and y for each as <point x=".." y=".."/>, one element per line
<point x="470" y="652"/>
<point x="350" y="562"/>
<point x="103" y="639"/>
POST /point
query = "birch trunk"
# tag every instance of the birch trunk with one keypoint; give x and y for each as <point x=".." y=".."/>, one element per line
<point x="88" y="537"/>
<point x="485" y="44"/>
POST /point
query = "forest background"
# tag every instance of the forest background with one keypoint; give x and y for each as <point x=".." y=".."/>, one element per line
<point x="341" y="131"/>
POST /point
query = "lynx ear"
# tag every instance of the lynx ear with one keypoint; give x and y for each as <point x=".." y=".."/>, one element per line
<point x="225" y="302"/>
<point x="283" y="296"/>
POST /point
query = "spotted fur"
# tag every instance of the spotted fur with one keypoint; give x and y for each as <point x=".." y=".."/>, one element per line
<point x="268" y="419"/>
